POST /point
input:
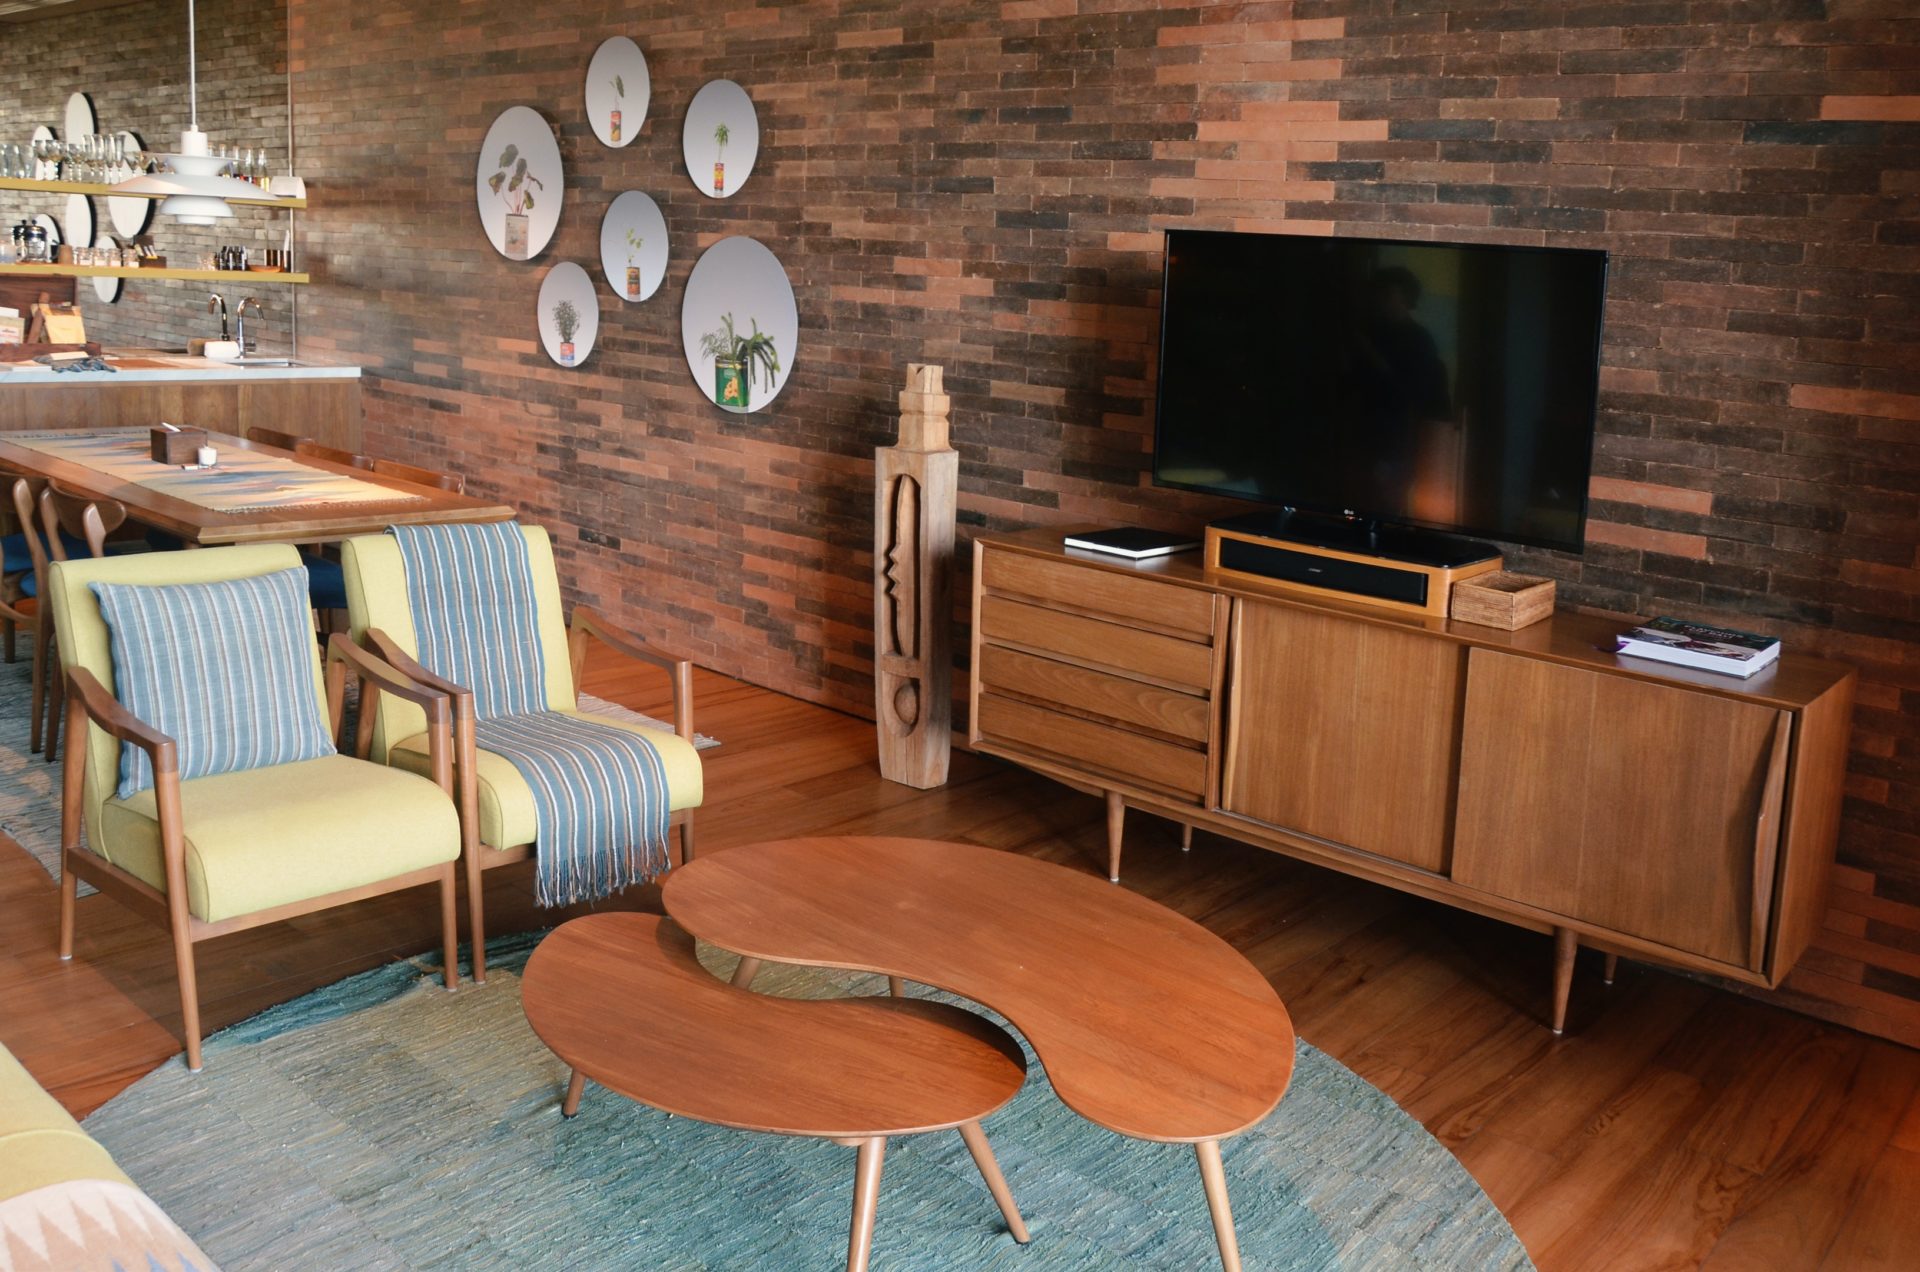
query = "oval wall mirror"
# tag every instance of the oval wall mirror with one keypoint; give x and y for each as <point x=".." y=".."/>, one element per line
<point x="569" y="311"/>
<point x="633" y="246"/>
<point x="518" y="183"/>
<point x="618" y="90"/>
<point x="720" y="139"/>
<point x="739" y="325"/>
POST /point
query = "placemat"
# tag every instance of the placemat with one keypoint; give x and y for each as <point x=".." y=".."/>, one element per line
<point x="243" y="481"/>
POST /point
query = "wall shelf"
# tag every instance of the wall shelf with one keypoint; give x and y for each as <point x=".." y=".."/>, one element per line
<point x="121" y="271"/>
<point x="103" y="191"/>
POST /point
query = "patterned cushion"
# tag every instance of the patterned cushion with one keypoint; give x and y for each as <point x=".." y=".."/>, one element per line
<point x="93" y="1225"/>
<point x="224" y="669"/>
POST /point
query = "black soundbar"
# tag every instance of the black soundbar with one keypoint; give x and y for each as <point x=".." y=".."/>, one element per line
<point x="1273" y="561"/>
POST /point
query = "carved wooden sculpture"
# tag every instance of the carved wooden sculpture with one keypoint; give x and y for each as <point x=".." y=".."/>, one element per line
<point x="915" y="481"/>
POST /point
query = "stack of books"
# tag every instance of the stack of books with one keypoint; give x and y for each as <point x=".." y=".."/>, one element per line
<point x="1719" y="649"/>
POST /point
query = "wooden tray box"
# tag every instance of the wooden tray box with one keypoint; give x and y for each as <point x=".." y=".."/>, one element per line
<point x="179" y="449"/>
<point x="1502" y="599"/>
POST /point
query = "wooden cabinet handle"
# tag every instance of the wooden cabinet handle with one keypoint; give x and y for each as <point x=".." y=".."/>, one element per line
<point x="1766" y="837"/>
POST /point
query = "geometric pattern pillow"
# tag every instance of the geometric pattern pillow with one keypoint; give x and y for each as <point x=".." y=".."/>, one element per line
<point x="93" y="1225"/>
<point x="224" y="669"/>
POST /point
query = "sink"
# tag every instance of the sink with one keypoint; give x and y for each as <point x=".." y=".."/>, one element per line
<point x="264" y="362"/>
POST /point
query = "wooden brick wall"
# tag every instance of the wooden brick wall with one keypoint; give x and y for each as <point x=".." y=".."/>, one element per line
<point x="132" y="62"/>
<point x="983" y="185"/>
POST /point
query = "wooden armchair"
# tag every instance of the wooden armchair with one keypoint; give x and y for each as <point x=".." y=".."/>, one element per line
<point x="209" y="855"/>
<point x="497" y="820"/>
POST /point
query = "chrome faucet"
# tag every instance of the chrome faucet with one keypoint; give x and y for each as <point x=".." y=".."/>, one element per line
<point x="240" y="319"/>
<point x="216" y="303"/>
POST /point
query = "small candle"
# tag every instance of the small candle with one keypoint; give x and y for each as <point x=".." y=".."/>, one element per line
<point x="208" y="456"/>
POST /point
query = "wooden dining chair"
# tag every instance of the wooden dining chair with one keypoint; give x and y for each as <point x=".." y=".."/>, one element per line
<point x="274" y="437"/>
<point x="332" y="454"/>
<point x="453" y="482"/>
<point x="67" y="520"/>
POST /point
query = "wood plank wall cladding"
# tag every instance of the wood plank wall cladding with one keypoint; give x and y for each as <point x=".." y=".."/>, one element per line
<point x="982" y="185"/>
<point x="132" y="61"/>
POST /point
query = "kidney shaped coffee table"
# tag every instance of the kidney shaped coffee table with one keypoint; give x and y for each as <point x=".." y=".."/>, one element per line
<point x="1146" y="1023"/>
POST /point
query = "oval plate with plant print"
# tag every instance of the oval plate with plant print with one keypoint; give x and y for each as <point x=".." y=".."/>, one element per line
<point x="739" y="325"/>
<point x="569" y="314"/>
<point x="517" y="183"/>
<point x="633" y="246"/>
<point x="720" y="138"/>
<point x="618" y="90"/>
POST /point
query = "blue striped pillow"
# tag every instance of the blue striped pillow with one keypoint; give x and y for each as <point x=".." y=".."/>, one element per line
<point x="224" y="669"/>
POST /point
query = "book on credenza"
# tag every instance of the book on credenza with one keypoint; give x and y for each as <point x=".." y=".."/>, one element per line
<point x="1721" y="649"/>
<point x="1132" y="542"/>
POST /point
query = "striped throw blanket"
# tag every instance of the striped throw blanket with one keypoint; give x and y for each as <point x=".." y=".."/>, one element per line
<point x="599" y="791"/>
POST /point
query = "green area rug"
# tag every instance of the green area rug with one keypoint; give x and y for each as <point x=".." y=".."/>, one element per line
<point x="382" y="1123"/>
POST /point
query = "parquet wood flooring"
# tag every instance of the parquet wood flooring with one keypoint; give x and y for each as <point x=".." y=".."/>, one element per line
<point x="1675" y="1126"/>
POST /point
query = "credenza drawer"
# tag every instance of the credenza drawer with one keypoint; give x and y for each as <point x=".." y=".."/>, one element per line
<point x="1094" y="693"/>
<point x="1163" y="660"/>
<point x="1134" y="601"/>
<point x="1084" y="743"/>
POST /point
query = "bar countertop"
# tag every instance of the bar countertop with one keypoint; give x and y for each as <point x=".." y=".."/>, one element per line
<point x="147" y="366"/>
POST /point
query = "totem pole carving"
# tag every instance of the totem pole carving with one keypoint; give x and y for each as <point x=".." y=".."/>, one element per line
<point x="915" y="484"/>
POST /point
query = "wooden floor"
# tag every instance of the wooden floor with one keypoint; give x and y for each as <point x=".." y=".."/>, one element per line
<point x="1675" y="1126"/>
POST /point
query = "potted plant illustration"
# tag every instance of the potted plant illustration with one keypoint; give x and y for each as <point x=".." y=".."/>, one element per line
<point x="619" y="92"/>
<point x="566" y="321"/>
<point x="721" y="135"/>
<point x="633" y="270"/>
<point x="737" y="359"/>
<point x="514" y="183"/>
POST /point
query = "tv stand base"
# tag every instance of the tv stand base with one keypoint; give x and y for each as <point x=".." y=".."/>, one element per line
<point x="1409" y="571"/>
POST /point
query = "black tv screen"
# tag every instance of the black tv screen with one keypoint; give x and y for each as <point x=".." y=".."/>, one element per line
<point x="1447" y="386"/>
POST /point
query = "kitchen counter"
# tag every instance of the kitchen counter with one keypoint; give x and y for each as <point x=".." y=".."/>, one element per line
<point x="141" y="366"/>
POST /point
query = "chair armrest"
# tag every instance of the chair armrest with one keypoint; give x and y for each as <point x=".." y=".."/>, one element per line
<point x="378" y="677"/>
<point x="389" y="649"/>
<point x="390" y="679"/>
<point x="587" y="622"/>
<point x="106" y="711"/>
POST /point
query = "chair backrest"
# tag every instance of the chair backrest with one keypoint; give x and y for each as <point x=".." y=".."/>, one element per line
<point x="67" y="515"/>
<point x="274" y="437"/>
<point x="420" y="476"/>
<point x="376" y="583"/>
<point x="86" y="642"/>
<point x="332" y="454"/>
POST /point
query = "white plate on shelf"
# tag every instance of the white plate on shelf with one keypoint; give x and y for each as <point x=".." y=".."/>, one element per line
<point x="76" y="223"/>
<point x="79" y="121"/>
<point x="107" y="287"/>
<point x="130" y="217"/>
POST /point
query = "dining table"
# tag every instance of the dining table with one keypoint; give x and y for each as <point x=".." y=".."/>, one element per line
<point x="254" y="493"/>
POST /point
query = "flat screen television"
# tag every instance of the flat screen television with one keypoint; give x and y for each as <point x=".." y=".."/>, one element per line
<point x="1444" y="386"/>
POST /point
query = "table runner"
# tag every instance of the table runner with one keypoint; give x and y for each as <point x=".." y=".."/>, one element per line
<point x="243" y="481"/>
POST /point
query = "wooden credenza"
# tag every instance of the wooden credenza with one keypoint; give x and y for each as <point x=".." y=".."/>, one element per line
<point x="1674" y="815"/>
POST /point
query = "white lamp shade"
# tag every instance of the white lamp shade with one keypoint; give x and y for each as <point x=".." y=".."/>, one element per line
<point x="195" y="209"/>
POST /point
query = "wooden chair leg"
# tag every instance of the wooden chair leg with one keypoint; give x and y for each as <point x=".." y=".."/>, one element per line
<point x="37" y="727"/>
<point x="450" y="923"/>
<point x="476" y="909"/>
<point x="686" y="836"/>
<point x="743" y="974"/>
<point x="866" y="1202"/>
<point x="189" y="993"/>
<point x="7" y="627"/>
<point x="1565" y="946"/>
<point x="576" y="1087"/>
<point x="1214" y="1176"/>
<point x="976" y="1139"/>
<point x="1116" y="829"/>
<point x="56" y="702"/>
<point x="69" y="892"/>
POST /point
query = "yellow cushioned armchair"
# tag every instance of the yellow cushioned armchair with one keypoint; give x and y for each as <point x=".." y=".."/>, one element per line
<point x="222" y="853"/>
<point x="498" y="822"/>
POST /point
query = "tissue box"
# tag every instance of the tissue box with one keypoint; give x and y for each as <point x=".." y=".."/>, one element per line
<point x="13" y="327"/>
<point x="180" y="449"/>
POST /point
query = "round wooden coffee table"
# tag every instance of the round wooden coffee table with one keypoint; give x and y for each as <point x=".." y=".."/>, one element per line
<point x="623" y="999"/>
<point x="1145" y="1022"/>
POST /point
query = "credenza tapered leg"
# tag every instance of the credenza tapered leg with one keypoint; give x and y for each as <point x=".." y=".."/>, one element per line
<point x="1214" y="1176"/>
<point x="1186" y="838"/>
<point x="1613" y="965"/>
<point x="866" y="1201"/>
<point x="1565" y="946"/>
<point x="1116" y="829"/>
<point x="743" y="975"/>
<point x="976" y="1139"/>
<point x="576" y="1085"/>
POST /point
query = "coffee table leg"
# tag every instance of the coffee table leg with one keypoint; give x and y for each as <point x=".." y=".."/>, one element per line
<point x="896" y="987"/>
<point x="1214" y="1176"/>
<point x="575" y="1086"/>
<point x="976" y="1139"/>
<point x="743" y="975"/>
<point x="866" y="1200"/>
